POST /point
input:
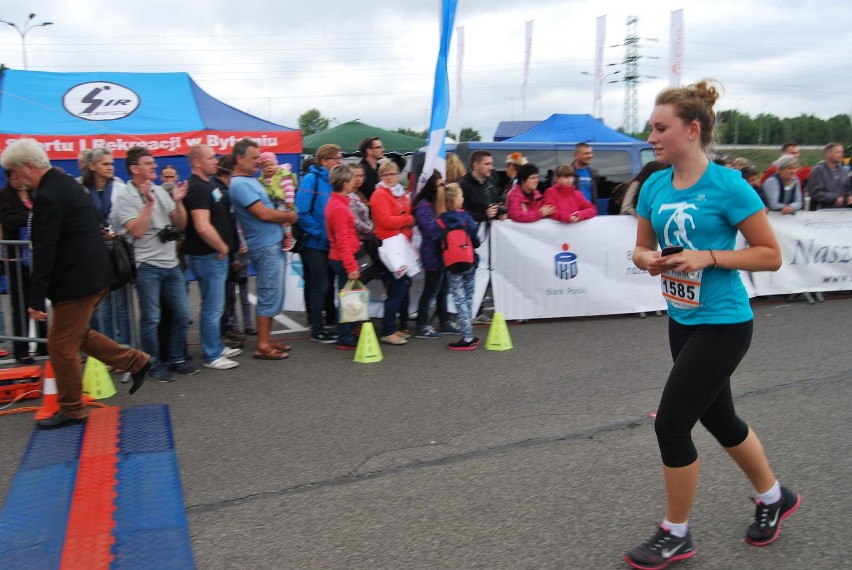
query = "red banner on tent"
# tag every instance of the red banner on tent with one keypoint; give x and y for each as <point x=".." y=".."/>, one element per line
<point x="64" y="147"/>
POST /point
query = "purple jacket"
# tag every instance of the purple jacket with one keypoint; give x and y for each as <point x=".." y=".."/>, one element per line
<point x="430" y="256"/>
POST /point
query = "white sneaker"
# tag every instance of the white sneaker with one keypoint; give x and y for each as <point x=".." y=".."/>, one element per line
<point x="222" y="363"/>
<point x="229" y="352"/>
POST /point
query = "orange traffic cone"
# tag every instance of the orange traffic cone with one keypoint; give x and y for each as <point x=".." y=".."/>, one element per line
<point x="49" y="399"/>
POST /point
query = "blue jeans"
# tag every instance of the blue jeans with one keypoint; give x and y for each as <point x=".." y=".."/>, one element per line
<point x="269" y="264"/>
<point x="211" y="274"/>
<point x="343" y="329"/>
<point x="111" y="318"/>
<point x="461" y="287"/>
<point x="397" y="293"/>
<point x="315" y="263"/>
<point x="151" y="282"/>
<point x="434" y="288"/>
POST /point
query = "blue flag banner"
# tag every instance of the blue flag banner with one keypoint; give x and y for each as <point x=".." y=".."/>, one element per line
<point x="436" y="152"/>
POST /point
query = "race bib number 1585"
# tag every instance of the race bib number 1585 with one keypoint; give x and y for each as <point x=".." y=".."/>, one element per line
<point x="682" y="290"/>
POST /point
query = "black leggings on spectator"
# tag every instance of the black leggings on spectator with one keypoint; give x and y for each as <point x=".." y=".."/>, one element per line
<point x="699" y="389"/>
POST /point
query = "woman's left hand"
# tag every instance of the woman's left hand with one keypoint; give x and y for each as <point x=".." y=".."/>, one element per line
<point x="353" y="275"/>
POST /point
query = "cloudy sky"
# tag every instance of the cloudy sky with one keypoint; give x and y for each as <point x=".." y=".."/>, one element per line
<point x="375" y="61"/>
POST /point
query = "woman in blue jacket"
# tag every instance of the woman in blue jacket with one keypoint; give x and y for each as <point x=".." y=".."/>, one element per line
<point x="311" y="199"/>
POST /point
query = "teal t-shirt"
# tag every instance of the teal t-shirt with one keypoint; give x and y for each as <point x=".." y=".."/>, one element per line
<point x="703" y="217"/>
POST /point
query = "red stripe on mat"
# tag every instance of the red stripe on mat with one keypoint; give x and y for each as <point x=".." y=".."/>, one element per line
<point x="88" y="536"/>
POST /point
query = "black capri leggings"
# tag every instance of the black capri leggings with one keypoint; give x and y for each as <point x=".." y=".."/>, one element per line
<point x="699" y="388"/>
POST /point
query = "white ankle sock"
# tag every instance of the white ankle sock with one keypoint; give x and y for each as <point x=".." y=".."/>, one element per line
<point x="677" y="529"/>
<point x="773" y="495"/>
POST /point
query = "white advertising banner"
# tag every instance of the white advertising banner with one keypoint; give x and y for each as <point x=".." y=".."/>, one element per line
<point x="817" y="252"/>
<point x="676" y="48"/>
<point x="600" y="39"/>
<point x="528" y="39"/>
<point x="549" y="269"/>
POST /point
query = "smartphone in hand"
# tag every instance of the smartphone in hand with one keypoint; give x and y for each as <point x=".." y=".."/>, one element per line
<point x="672" y="250"/>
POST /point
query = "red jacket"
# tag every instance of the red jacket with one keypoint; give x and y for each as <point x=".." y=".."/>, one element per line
<point x="340" y="226"/>
<point x="391" y="215"/>
<point x="569" y="202"/>
<point x="521" y="207"/>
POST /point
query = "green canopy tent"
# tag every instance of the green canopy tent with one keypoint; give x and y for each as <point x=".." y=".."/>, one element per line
<point x="349" y="135"/>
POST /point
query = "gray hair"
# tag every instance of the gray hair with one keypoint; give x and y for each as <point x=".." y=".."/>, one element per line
<point x="24" y="151"/>
<point x="83" y="158"/>
<point x="340" y="174"/>
<point x="96" y="154"/>
<point x="785" y="161"/>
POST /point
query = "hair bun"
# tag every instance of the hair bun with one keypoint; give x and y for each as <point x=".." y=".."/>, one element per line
<point x="706" y="90"/>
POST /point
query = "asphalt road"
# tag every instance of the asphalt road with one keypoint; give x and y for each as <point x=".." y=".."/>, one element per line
<point x="542" y="456"/>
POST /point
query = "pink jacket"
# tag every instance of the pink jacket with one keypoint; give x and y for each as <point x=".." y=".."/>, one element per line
<point x="523" y="208"/>
<point x="569" y="202"/>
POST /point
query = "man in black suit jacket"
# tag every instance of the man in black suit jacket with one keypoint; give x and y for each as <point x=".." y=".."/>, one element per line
<point x="72" y="267"/>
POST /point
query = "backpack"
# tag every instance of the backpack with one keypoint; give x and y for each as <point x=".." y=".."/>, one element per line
<point x="457" y="248"/>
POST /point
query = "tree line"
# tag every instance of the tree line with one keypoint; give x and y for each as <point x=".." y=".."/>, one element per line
<point x="733" y="127"/>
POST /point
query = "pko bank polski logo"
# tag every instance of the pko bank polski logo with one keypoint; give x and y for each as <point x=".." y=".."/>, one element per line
<point x="100" y="101"/>
<point x="565" y="263"/>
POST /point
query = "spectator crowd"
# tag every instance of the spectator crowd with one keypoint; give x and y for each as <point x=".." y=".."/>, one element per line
<point x="245" y="208"/>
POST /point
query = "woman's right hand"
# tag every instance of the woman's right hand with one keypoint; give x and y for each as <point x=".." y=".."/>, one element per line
<point x="651" y="261"/>
<point x="353" y="275"/>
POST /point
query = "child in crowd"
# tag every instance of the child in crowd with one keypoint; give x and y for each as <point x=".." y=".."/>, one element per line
<point x="461" y="284"/>
<point x="569" y="203"/>
<point x="238" y="291"/>
<point x="280" y="183"/>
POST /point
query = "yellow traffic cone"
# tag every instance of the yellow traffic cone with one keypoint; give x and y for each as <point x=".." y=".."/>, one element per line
<point x="97" y="382"/>
<point x="368" y="345"/>
<point x="498" y="334"/>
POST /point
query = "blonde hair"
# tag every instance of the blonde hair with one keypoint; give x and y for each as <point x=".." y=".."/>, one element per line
<point x="455" y="168"/>
<point x="694" y="103"/>
<point x="387" y="166"/>
<point x="451" y="192"/>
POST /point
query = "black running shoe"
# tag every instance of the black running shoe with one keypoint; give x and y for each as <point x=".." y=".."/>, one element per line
<point x="464" y="344"/>
<point x="324" y="336"/>
<point x="660" y="550"/>
<point x="767" y="518"/>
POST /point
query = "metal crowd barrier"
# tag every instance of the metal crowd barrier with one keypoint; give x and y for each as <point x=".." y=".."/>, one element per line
<point x="115" y="316"/>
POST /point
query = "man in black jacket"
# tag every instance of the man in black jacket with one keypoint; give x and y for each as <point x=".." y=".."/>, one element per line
<point x="372" y="149"/>
<point x="480" y="193"/>
<point x="72" y="267"/>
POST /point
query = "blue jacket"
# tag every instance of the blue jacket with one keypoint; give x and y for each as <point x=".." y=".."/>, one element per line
<point x="430" y="252"/>
<point x="312" y="221"/>
<point x="456" y="219"/>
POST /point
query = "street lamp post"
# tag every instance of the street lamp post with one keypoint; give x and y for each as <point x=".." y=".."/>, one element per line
<point x="24" y="30"/>
<point x="599" y="101"/>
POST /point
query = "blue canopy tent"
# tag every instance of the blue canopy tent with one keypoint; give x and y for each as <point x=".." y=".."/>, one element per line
<point x="165" y="112"/>
<point x="508" y="129"/>
<point x="572" y="128"/>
